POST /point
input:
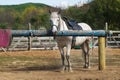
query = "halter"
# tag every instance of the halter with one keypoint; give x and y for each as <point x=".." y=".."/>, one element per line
<point x="57" y="27"/>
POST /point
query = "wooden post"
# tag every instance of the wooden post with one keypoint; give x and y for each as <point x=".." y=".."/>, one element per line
<point x="29" y="38"/>
<point x="101" y="52"/>
<point x="106" y="29"/>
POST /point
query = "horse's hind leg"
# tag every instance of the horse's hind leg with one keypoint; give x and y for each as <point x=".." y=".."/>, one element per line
<point x="84" y="55"/>
<point x="68" y="48"/>
<point x="85" y="48"/>
<point x="88" y="52"/>
<point x="89" y="42"/>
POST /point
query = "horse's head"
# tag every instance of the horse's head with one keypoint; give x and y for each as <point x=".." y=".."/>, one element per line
<point x="55" y="21"/>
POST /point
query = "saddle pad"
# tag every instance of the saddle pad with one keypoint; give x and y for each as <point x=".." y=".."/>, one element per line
<point x="5" y="37"/>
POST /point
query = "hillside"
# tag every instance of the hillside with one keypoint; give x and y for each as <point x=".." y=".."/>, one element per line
<point x="18" y="16"/>
<point x="21" y="7"/>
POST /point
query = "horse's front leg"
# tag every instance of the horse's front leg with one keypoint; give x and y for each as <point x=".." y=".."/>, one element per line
<point x="68" y="49"/>
<point x="63" y="59"/>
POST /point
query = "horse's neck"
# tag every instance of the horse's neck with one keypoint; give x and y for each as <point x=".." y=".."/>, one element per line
<point x="63" y="25"/>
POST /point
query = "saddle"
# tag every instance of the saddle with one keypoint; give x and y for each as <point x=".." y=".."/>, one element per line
<point x="72" y="24"/>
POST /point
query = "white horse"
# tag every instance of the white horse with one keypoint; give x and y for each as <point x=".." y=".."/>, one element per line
<point x="58" y="24"/>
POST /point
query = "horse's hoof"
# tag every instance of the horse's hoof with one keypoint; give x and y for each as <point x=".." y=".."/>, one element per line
<point x="62" y="71"/>
<point x="87" y="67"/>
<point x="70" y="71"/>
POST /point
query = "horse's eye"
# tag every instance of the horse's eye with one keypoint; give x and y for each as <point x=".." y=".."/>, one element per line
<point x="51" y="21"/>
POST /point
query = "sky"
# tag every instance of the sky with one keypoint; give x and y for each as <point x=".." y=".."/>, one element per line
<point x="48" y="2"/>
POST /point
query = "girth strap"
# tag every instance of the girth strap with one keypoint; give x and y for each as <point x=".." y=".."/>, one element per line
<point x="73" y="42"/>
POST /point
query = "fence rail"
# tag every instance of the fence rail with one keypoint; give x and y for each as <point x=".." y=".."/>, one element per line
<point x="111" y="41"/>
<point x="21" y="43"/>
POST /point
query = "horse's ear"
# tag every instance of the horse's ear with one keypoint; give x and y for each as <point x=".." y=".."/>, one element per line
<point x="59" y="11"/>
<point x="50" y="11"/>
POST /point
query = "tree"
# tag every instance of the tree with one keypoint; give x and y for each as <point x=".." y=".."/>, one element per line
<point x="102" y="11"/>
<point x="29" y="13"/>
<point x="37" y="17"/>
<point x="7" y="17"/>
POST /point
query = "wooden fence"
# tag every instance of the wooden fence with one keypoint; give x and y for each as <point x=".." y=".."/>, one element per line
<point x="111" y="41"/>
<point x="22" y="43"/>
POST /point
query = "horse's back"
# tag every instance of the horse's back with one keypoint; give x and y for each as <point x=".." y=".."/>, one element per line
<point x="85" y="26"/>
<point x="80" y="40"/>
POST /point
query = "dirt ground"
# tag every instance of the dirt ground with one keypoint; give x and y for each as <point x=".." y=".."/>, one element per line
<point x="45" y="65"/>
